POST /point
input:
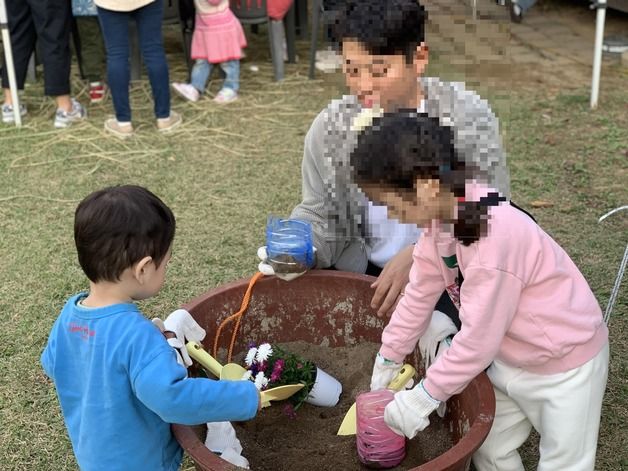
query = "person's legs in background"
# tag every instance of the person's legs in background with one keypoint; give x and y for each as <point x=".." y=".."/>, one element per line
<point x="92" y="58"/>
<point x="518" y="8"/>
<point x="115" y="29"/>
<point x="329" y="60"/>
<point x="200" y="74"/>
<point x="23" y="38"/>
<point x="148" y="21"/>
<point x="52" y="20"/>
<point x="231" y="85"/>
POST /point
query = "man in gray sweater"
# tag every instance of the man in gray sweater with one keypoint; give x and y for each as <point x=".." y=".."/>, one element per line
<point x="384" y="58"/>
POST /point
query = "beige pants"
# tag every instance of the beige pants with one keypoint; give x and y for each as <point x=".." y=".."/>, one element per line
<point x="563" y="408"/>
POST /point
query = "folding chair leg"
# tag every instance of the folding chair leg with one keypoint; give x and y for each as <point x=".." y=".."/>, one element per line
<point x="290" y="32"/>
<point x="316" y="15"/>
<point x="275" y="36"/>
<point x="301" y="7"/>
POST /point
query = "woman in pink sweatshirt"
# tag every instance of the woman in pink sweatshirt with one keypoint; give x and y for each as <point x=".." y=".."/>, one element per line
<point x="527" y="313"/>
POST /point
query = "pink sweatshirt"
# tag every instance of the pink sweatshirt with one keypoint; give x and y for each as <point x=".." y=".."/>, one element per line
<point x="523" y="301"/>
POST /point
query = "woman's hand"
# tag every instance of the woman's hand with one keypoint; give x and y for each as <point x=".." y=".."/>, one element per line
<point x="391" y="282"/>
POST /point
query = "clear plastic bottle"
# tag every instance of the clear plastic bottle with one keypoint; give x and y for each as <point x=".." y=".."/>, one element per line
<point x="378" y="446"/>
<point x="289" y="245"/>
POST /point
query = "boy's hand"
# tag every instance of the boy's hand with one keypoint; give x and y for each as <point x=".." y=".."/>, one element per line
<point x="268" y="270"/>
<point x="185" y="328"/>
<point x="391" y="282"/>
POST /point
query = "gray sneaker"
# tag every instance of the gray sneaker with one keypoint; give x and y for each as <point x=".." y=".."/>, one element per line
<point x="63" y="118"/>
<point x="7" y="113"/>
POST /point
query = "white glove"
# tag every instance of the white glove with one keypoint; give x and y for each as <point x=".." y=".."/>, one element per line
<point x="384" y="371"/>
<point x="407" y="414"/>
<point x="186" y="330"/>
<point x="233" y="457"/>
<point x="221" y="438"/>
<point x="268" y="270"/>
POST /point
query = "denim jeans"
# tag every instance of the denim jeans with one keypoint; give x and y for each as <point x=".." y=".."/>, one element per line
<point x="115" y="29"/>
<point x="202" y="70"/>
<point x="525" y="4"/>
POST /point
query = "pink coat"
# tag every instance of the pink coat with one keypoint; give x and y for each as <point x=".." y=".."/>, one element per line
<point x="523" y="301"/>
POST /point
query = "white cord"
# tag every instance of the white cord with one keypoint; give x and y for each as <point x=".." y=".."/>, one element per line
<point x="620" y="273"/>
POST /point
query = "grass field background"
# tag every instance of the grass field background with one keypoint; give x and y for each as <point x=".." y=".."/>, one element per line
<point x="223" y="172"/>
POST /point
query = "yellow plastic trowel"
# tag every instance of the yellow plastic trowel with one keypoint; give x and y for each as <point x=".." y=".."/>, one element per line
<point x="349" y="423"/>
<point x="234" y="372"/>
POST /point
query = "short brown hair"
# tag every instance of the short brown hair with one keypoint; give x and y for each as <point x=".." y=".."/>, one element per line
<point x="116" y="227"/>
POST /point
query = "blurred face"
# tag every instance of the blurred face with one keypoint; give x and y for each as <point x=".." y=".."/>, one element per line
<point x="384" y="80"/>
<point x="420" y="206"/>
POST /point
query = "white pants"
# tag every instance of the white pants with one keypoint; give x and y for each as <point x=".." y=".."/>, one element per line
<point x="564" y="409"/>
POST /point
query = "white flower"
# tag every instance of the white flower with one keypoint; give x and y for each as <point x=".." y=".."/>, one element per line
<point x="263" y="352"/>
<point x="247" y="375"/>
<point x="250" y="356"/>
<point x="261" y="381"/>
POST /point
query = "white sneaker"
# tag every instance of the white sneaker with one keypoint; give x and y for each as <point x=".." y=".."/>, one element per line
<point x="226" y="95"/>
<point x="7" y="113"/>
<point x="63" y="118"/>
<point x="186" y="90"/>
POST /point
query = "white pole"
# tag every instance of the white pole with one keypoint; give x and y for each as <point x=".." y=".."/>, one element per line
<point x="597" y="51"/>
<point x="8" y="55"/>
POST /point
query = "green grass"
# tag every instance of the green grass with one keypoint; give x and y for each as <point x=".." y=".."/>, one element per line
<point x="222" y="174"/>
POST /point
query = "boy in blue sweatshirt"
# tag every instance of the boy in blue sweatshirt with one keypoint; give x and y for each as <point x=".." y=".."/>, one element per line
<point x="118" y="381"/>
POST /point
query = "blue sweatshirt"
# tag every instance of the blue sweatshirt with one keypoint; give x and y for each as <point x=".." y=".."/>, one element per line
<point x="120" y="386"/>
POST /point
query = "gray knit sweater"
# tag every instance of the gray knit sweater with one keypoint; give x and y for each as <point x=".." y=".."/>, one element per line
<point x="336" y="207"/>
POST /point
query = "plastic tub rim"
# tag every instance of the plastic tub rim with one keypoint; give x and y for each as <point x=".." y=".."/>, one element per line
<point x="477" y="432"/>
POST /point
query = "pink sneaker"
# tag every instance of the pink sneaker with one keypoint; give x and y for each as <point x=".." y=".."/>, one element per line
<point x="186" y="90"/>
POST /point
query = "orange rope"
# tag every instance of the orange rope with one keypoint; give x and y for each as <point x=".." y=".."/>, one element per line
<point x="237" y="317"/>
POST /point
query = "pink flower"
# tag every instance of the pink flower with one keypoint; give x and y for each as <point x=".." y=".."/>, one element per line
<point x="277" y="369"/>
<point x="290" y="412"/>
<point x="262" y="366"/>
<point x="299" y="366"/>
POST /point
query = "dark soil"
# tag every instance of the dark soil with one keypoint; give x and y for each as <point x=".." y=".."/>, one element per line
<point x="274" y="441"/>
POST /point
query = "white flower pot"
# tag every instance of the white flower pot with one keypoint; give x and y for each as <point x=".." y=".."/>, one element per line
<point x="326" y="390"/>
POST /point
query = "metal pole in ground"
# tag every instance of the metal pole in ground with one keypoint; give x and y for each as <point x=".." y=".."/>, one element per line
<point x="8" y="56"/>
<point x="600" y="5"/>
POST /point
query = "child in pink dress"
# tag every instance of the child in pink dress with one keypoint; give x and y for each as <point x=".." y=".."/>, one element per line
<point x="218" y="39"/>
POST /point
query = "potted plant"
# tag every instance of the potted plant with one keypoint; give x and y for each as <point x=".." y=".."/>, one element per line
<point x="270" y="366"/>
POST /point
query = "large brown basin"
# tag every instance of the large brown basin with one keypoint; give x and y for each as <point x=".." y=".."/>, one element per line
<point x="327" y="308"/>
